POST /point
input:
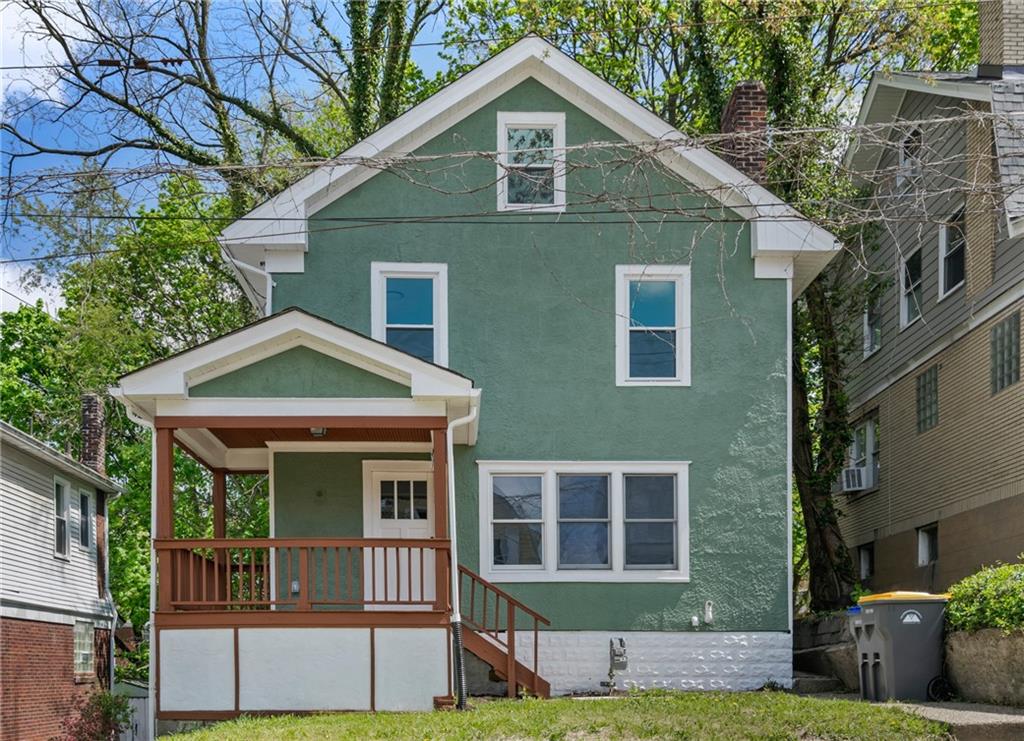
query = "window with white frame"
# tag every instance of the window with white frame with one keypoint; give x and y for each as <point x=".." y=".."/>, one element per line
<point x="865" y="451"/>
<point x="872" y="323"/>
<point x="952" y="249"/>
<point x="531" y="161"/>
<point x="910" y="152"/>
<point x="927" y="544"/>
<point x="575" y="521"/>
<point x="410" y="308"/>
<point x="61" y="508"/>
<point x="910" y="286"/>
<point x="85" y="648"/>
<point x="652" y="321"/>
<point x="866" y="560"/>
<point x="84" y="520"/>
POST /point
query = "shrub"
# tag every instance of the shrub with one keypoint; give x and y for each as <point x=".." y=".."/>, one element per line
<point x="991" y="598"/>
<point x="100" y="717"/>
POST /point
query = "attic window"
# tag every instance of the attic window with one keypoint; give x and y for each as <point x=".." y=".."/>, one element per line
<point x="531" y="161"/>
<point x="910" y="158"/>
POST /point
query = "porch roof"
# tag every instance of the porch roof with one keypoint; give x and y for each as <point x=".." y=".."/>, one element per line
<point x="295" y="379"/>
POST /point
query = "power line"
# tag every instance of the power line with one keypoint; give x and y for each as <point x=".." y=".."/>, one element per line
<point x="143" y="64"/>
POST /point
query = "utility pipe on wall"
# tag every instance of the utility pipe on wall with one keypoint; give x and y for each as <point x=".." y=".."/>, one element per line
<point x="458" y="663"/>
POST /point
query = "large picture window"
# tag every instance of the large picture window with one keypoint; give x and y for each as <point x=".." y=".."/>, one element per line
<point x="652" y="320"/>
<point x="579" y="521"/>
<point x="410" y="308"/>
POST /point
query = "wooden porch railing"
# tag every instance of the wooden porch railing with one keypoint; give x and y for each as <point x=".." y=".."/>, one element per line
<point x="304" y="573"/>
<point x="492" y="614"/>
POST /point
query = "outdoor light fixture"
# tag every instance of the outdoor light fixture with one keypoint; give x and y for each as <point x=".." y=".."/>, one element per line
<point x="317" y="431"/>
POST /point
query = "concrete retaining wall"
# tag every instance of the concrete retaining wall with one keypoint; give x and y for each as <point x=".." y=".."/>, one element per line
<point x="987" y="666"/>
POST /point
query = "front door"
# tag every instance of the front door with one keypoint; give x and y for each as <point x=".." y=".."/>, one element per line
<point x="398" y="504"/>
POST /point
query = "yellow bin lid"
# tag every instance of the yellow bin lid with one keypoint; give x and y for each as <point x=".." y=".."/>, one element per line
<point x="904" y="597"/>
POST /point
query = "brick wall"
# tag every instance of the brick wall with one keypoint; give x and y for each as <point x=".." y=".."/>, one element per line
<point x="37" y="678"/>
<point x="746" y="114"/>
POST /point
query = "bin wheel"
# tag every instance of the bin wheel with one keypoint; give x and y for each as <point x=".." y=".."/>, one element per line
<point x="939" y="689"/>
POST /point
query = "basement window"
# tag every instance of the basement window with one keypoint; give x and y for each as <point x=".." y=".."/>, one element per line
<point x="928" y="544"/>
<point x="866" y="560"/>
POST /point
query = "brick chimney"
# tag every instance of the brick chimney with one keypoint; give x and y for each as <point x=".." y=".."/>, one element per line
<point x="1000" y="37"/>
<point x="94" y="433"/>
<point x="746" y="113"/>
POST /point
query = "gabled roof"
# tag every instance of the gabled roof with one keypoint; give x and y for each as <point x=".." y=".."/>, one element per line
<point x="66" y="464"/>
<point x="884" y="100"/>
<point x="277" y="226"/>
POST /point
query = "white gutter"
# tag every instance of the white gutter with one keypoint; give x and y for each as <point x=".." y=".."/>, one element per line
<point x="240" y="266"/>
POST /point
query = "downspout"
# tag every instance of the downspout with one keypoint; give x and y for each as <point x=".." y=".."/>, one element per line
<point x="458" y="662"/>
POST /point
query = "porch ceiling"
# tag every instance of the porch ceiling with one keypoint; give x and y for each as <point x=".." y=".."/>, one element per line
<point x="257" y="438"/>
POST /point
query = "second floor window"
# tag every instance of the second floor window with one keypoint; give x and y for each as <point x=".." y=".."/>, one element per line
<point x="865" y="451"/>
<point x="909" y="167"/>
<point x="872" y="324"/>
<point x="652" y="315"/>
<point x="951" y="254"/>
<point x="410" y="308"/>
<point x="1005" y="350"/>
<point x="910" y="287"/>
<point x="928" y="399"/>
<point x="531" y="161"/>
<point x="60" y="515"/>
<point x="84" y="522"/>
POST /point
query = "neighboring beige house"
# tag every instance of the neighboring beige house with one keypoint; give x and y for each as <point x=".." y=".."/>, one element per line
<point x="935" y="484"/>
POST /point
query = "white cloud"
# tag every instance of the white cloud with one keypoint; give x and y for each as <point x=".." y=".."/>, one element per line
<point x="14" y="294"/>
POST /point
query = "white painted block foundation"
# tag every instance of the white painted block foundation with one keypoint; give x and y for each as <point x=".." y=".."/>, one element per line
<point x="197" y="669"/>
<point x="577" y="661"/>
<point x="412" y="667"/>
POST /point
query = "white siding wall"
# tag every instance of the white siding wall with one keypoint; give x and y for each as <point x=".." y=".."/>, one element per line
<point x="31" y="576"/>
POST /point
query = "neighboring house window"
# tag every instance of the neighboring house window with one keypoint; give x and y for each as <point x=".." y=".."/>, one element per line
<point x="410" y="308"/>
<point x="865" y="451"/>
<point x="1005" y="344"/>
<point x="927" y="544"/>
<point x="951" y="254"/>
<point x="910" y="283"/>
<point x="872" y="324"/>
<point x="652" y="321"/>
<point x="928" y="399"/>
<point x="910" y="158"/>
<point x="517" y="520"/>
<point x="84" y="648"/>
<point x="84" y="522"/>
<point x="531" y="161"/>
<point x="866" y="560"/>
<point x="576" y="521"/>
<point x="60" y="515"/>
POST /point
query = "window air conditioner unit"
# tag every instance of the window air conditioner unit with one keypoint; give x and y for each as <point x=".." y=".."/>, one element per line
<point x="854" y="479"/>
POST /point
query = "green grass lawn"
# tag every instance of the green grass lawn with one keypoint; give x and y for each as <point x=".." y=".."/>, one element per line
<point x="703" y="715"/>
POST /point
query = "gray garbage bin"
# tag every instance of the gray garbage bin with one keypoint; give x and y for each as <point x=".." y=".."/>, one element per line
<point x="899" y="643"/>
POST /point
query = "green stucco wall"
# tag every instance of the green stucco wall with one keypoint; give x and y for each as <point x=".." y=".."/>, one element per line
<point x="531" y="310"/>
<point x="300" y="372"/>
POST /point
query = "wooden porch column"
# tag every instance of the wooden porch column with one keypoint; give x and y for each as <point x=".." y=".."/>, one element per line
<point x="220" y="529"/>
<point x="164" y="511"/>
<point x="440" y="462"/>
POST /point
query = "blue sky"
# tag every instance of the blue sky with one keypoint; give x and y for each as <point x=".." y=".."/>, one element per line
<point x="20" y="48"/>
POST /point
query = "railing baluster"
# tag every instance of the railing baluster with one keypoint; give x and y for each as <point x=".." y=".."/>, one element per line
<point x="373" y="574"/>
<point x="265" y="585"/>
<point x="304" y="578"/>
<point x="351" y="587"/>
<point x="337" y="574"/>
<point x="423" y="555"/>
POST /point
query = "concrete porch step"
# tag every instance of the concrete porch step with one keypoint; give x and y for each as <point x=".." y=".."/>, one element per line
<point x="815" y="684"/>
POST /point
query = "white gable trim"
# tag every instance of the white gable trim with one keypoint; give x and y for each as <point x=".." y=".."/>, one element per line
<point x="172" y="378"/>
<point x="278" y="223"/>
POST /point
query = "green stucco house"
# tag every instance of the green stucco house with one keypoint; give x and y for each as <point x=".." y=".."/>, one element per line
<point x="524" y="371"/>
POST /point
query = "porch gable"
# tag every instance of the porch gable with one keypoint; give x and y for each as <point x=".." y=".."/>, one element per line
<point x="300" y="372"/>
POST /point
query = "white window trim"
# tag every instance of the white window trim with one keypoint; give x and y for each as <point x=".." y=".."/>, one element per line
<point x="549" y="571"/>
<point x="680" y="274"/>
<point x="381" y="271"/>
<point x="923" y="535"/>
<point x="66" y="555"/>
<point x="522" y="119"/>
<point x="904" y="323"/>
<point x="91" y="628"/>
<point x="943" y="244"/>
<point x="88" y="523"/>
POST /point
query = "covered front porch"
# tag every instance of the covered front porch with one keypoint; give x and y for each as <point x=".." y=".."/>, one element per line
<point x="347" y="605"/>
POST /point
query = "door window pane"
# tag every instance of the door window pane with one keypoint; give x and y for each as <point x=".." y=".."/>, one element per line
<point x="403" y="491"/>
<point x="387" y="500"/>
<point x="419" y="500"/>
